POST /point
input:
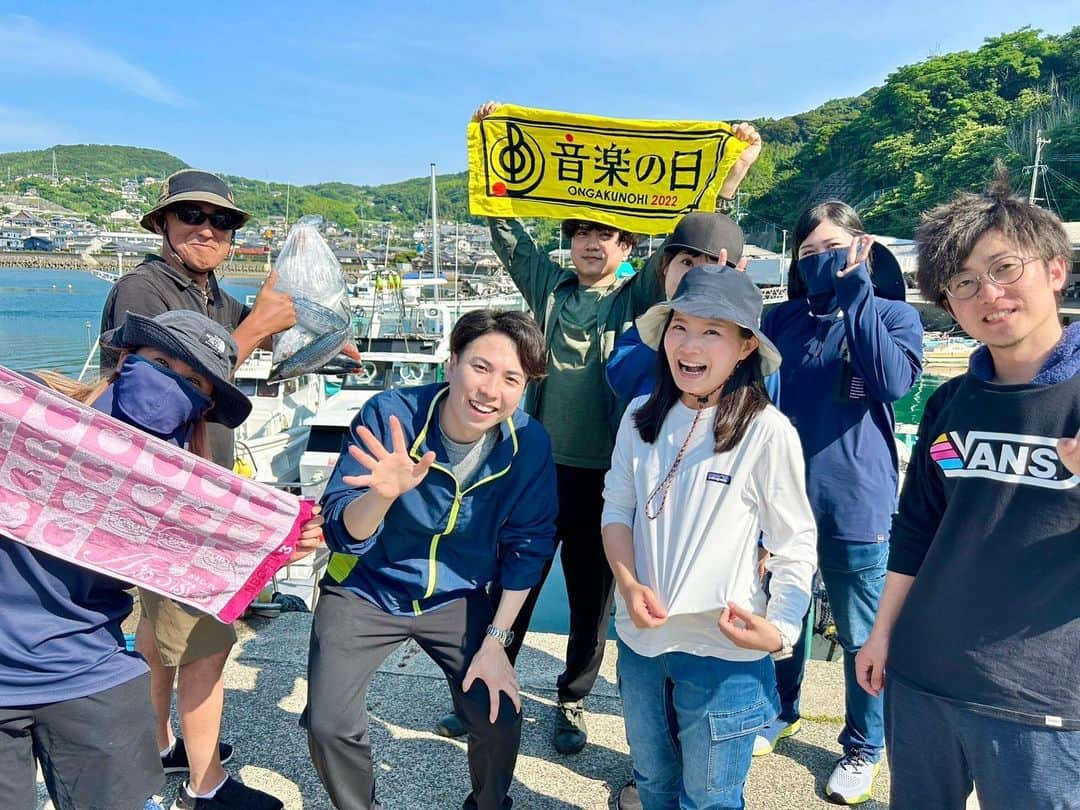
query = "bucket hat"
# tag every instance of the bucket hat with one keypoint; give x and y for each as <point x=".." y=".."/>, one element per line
<point x="718" y="293"/>
<point x="201" y="343"/>
<point x="192" y="185"/>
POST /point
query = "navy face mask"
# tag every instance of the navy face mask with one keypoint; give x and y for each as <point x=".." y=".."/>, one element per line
<point x="818" y="273"/>
<point x="148" y="396"/>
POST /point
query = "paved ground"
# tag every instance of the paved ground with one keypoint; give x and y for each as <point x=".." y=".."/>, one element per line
<point x="266" y="690"/>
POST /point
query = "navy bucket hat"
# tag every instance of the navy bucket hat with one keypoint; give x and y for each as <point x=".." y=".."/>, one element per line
<point x="201" y="343"/>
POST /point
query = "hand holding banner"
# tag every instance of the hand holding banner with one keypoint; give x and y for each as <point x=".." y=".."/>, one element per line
<point x="642" y="176"/>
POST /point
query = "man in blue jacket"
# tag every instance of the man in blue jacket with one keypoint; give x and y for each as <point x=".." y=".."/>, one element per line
<point x="442" y="491"/>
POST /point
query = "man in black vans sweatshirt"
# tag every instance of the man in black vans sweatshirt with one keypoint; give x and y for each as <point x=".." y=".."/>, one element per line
<point x="978" y="630"/>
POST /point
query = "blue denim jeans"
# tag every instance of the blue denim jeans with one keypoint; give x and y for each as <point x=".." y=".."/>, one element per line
<point x="854" y="575"/>
<point x="938" y="750"/>
<point x="691" y="722"/>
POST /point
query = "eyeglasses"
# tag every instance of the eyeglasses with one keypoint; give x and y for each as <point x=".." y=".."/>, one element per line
<point x="1006" y="270"/>
<point x="222" y="220"/>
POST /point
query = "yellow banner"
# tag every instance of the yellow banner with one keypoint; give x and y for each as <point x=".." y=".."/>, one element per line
<point x="641" y="176"/>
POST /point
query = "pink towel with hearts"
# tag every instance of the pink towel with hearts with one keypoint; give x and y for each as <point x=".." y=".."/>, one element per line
<point x="80" y="485"/>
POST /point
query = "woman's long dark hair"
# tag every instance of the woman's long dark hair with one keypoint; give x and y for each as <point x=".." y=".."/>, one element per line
<point x="838" y="213"/>
<point x="743" y="397"/>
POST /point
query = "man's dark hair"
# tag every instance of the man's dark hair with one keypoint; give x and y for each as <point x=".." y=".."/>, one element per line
<point x="838" y="213"/>
<point x="571" y="226"/>
<point x="948" y="232"/>
<point x="743" y="397"/>
<point x="520" y="327"/>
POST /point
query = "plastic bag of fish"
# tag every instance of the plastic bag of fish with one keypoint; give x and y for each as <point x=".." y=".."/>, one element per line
<point x="309" y="271"/>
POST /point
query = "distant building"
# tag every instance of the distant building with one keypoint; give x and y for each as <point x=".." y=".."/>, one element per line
<point x="121" y="215"/>
<point x="37" y="243"/>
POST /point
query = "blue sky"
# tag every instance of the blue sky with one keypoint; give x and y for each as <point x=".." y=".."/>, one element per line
<point x="372" y="92"/>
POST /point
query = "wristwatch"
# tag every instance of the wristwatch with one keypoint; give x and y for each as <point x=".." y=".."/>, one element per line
<point x="787" y="649"/>
<point x="504" y="637"/>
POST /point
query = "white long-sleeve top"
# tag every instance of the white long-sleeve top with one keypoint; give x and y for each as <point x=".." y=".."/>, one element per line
<point x="701" y="551"/>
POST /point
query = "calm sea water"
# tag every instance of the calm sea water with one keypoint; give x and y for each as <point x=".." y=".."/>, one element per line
<point x="50" y="319"/>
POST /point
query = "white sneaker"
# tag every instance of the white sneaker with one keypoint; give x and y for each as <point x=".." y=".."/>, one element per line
<point x="852" y="779"/>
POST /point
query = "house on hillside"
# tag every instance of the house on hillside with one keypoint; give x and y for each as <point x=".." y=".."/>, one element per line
<point x="39" y="243"/>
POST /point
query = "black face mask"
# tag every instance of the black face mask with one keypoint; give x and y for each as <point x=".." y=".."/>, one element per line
<point x="157" y="400"/>
<point x="818" y="273"/>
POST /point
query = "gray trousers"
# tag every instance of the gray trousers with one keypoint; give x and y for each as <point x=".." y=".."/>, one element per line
<point x="350" y="638"/>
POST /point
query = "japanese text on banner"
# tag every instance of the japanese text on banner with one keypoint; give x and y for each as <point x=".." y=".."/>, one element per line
<point x="638" y="175"/>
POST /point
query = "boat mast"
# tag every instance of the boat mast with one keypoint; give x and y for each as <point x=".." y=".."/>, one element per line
<point x="434" y="233"/>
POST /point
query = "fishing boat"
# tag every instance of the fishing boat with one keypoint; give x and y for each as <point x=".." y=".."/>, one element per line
<point x="947" y="354"/>
<point x="272" y="439"/>
<point x="401" y="348"/>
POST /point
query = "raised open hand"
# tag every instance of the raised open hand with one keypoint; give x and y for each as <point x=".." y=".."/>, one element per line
<point x="391" y="473"/>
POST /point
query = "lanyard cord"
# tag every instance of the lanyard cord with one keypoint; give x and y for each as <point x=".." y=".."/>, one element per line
<point x="663" y="487"/>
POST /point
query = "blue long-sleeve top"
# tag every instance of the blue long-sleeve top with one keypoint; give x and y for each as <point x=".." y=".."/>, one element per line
<point x="631" y="369"/>
<point x="840" y="375"/>
<point x="441" y="541"/>
<point x="60" y="634"/>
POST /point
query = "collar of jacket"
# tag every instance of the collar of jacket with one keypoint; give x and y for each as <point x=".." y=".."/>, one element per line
<point x="179" y="279"/>
<point x="429" y="439"/>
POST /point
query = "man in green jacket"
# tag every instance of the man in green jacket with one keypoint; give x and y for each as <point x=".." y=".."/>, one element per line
<point x="582" y="311"/>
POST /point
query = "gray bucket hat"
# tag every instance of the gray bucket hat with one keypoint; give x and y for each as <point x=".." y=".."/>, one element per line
<point x="718" y="293"/>
<point x="201" y="343"/>
<point x="192" y="185"/>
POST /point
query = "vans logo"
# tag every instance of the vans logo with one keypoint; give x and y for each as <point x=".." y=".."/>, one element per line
<point x="719" y="478"/>
<point x="1010" y="457"/>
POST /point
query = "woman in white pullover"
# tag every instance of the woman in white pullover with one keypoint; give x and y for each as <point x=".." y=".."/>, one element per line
<point x="702" y="468"/>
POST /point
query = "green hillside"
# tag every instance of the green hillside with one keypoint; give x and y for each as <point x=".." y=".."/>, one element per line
<point x="894" y="151"/>
<point x="88" y="160"/>
<point x="932" y="128"/>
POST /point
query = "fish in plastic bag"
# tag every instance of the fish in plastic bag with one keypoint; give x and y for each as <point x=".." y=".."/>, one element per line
<point x="309" y="271"/>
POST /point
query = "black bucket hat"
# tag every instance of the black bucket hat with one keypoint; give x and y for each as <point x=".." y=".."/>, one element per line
<point x="702" y="232"/>
<point x="201" y="343"/>
<point x="719" y="293"/>
<point x="192" y="185"/>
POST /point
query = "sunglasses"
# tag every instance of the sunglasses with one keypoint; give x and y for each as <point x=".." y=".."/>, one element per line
<point x="221" y="220"/>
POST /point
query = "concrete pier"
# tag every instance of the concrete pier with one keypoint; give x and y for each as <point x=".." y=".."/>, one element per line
<point x="266" y="690"/>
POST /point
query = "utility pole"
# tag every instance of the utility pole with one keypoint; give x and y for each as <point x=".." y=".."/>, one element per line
<point x="783" y="252"/>
<point x="1040" y="142"/>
